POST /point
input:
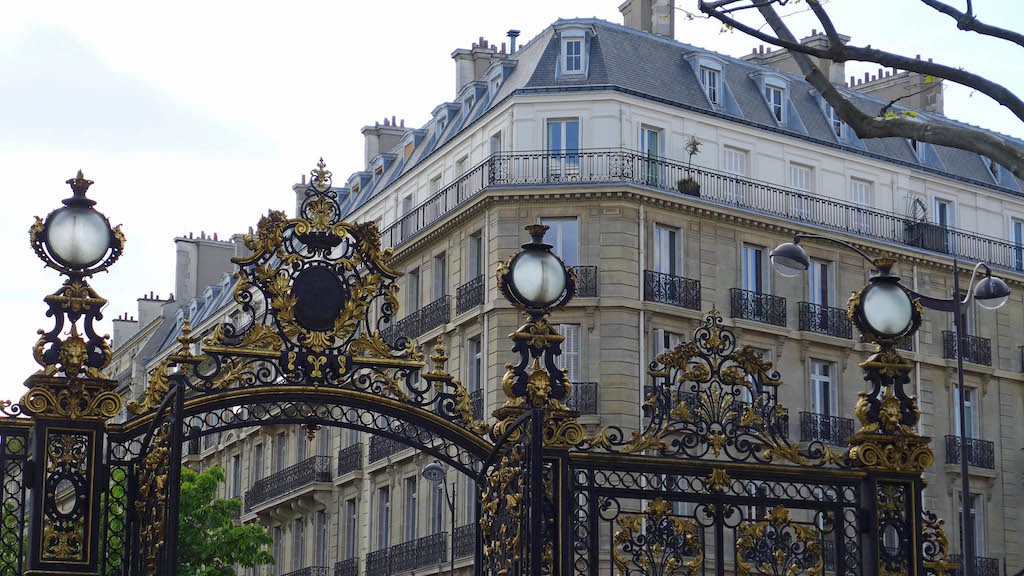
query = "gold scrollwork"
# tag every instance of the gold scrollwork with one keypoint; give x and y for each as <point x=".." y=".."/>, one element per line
<point x="892" y="453"/>
<point x="718" y="480"/>
<point x="778" y="545"/>
<point x="656" y="538"/>
<point x="71" y="398"/>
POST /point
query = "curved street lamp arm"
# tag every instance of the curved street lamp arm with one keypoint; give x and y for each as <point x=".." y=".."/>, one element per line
<point x="974" y="276"/>
<point x="949" y="304"/>
<point x="798" y="237"/>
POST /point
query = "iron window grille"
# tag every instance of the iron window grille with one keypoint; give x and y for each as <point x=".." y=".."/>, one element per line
<point x="764" y="308"/>
<point x="310" y="470"/>
<point x="586" y="281"/>
<point x="469" y="295"/>
<point x="674" y="290"/>
<point x="982" y="566"/>
<point x="350" y="459"/>
<point x="980" y="453"/>
<point x="825" y="320"/>
<point x="977" y="350"/>
<point x="832" y="430"/>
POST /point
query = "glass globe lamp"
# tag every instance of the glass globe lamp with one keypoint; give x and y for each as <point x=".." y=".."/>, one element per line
<point x="536" y="278"/>
<point x="991" y="293"/>
<point x="789" y="259"/>
<point x="887" y="308"/>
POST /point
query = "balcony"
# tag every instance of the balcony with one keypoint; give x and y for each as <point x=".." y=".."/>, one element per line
<point x="381" y="447"/>
<point x="465" y="541"/>
<point x="583" y="397"/>
<point x="311" y="571"/>
<point x="469" y="295"/>
<point x="1022" y="358"/>
<point x="906" y="344"/>
<point x="825" y="320"/>
<point x="832" y="430"/>
<point x="435" y="314"/>
<point x="585" y="167"/>
<point x="669" y="289"/>
<point x="586" y="281"/>
<point x="763" y="308"/>
<point x="310" y="470"/>
<point x="982" y="566"/>
<point x="350" y="459"/>
<point x="348" y="567"/>
<point x="980" y="453"/>
<point x="977" y="350"/>
<point x="476" y="398"/>
<point x="411" y="555"/>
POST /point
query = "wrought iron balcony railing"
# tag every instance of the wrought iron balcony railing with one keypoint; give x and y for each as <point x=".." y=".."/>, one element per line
<point x="1022" y="358"/>
<point x="310" y="470"/>
<point x="464" y="542"/>
<point x="764" y="308"/>
<point x="620" y="165"/>
<point x="403" y="556"/>
<point x="977" y="350"/>
<point x="311" y="571"/>
<point x="350" y="458"/>
<point x="828" y="552"/>
<point x="906" y="344"/>
<point x="435" y="314"/>
<point x="583" y="397"/>
<point x="409" y="555"/>
<point x="381" y="447"/>
<point x="586" y="281"/>
<point x="469" y="295"/>
<point x="825" y="320"/>
<point x="832" y="430"/>
<point x="349" y="567"/>
<point x="669" y="289"/>
<point x="476" y="398"/>
<point x="982" y="566"/>
<point x="980" y="453"/>
<point x="378" y="563"/>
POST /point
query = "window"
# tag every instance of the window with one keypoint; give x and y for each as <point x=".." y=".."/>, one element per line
<point x="236" y="476"/>
<point x="383" y="517"/>
<point x="440" y="276"/>
<point x="564" y="236"/>
<point x="409" y="526"/>
<point x="563" y="139"/>
<point x="822" y="391"/>
<point x="351" y="527"/>
<point x="710" y="78"/>
<point x="993" y="167"/>
<point x="324" y="440"/>
<point x="301" y="446"/>
<point x="735" y="163"/>
<point x="475" y="255"/>
<point x="1017" y="238"/>
<point x="280" y="449"/>
<point x="278" y="551"/>
<point x="666" y="250"/>
<point x="860" y="194"/>
<point x="574" y="55"/>
<point x="915" y="146"/>
<point x="299" y="544"/>
<point x="801" y="178"/>
<point x="753" y="268"/>
<point x="407" y="204"/>
<point x="257" y="461"/>
<point x="353" y="436"/>
<point x="495" y="143"/>
<point x="970" y="411"/>
<point x="650" y="148"/>
<point x="774" y="94"/>
<point x="834" y="120"/>
<point x="665" y="340"/>
<point x="436" y="507"/>
<point x="977" y="522"/>
<point x="944" y="213"/>
<point x="408" y="150"/>
<point x="474" y="368"/>
<point x="320" y="525"/>
<point x="413" y="287"/>
<point x="569" y="360"/>
<point x="819" y="284"/>
<point x="435" y="185"/>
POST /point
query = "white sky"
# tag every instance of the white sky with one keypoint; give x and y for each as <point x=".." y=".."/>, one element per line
<point x="198" y="116"/>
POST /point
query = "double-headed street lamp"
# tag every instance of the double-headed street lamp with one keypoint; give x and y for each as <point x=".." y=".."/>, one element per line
<point x="886" y="306"/>
<point x="437" y="474"/>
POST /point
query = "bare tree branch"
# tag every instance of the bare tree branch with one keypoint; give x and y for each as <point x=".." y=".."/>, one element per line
<point x="866" y="126"/>
<point x="969" y="22"/>
<point x="885" y="109"/>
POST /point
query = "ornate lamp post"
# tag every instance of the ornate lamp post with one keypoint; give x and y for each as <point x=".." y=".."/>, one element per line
<point x="887" y="312"/>
<point x="437" y="474"/>
<point x="69" y="397"/>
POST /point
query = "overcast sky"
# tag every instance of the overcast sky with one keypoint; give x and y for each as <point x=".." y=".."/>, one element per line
<point x="199" y="116"/>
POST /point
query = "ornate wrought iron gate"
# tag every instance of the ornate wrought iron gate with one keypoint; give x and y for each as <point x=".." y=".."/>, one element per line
<point x="709" y="483"/>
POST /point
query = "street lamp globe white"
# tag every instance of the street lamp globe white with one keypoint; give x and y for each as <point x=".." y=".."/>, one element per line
<point x="991" y="292"/>
<point x="78" y="236"/>
<point x="789" y="259"/>
<point x="887" y="308"/>
<point x="538" y="276"/>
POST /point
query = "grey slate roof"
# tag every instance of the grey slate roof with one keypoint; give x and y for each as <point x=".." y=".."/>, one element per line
<point x="655" y="67"/>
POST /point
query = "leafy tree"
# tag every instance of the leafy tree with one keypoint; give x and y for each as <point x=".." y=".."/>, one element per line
<point x="1008" y="153"/>
<point x="209" y="542"/>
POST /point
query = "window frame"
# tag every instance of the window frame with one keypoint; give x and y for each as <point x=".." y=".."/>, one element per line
<point x="439" y="284"/>
<point x="410" y="512"/>
<point x="383" y="536"/>
<point x="818" y="382"/>
<point x="674" y="242"/>
<point x="771" y="88"/>
<point x="753" y="253"/>
<point x="556" y="237"/>
<point x="705" y="72"/>
<point x="474" y="363"/>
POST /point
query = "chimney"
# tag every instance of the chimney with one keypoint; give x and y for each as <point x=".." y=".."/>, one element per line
<point x="381" y="139"/>
<point x="124" y="328"/>
<point x="463" y="67"/>
<point x="512" y="35"/>
<point x="654" y="16"/>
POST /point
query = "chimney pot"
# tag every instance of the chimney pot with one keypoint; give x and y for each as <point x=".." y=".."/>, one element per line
<point x="392" y="120"/>
<point x="502" y="47"/>
<point x="214" y="235"/>
<point x="814" y="31"/>
<point x="760" y="49"/>
<point x="929" y="59"/>
<point x="512" y="35"/>
<point x="403" y="122"/>
<point x="853" y="79"/>
<point x="866" y="76"/>
<point x="918" y="56"/>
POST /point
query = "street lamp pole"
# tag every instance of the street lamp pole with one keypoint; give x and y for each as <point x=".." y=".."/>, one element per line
<point x="966" y="528"/>
<point x="437" y="474"/>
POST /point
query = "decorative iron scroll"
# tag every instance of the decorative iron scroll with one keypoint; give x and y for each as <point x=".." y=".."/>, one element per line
<point x="657" y="543"/>
<point x="935" y="547"/>
<point x="66" y="487"/>
<point x="710" y="398"/>
<point x="504" y="513"/>
<point x="151" y="505"/>
<point x="778" y="546"/>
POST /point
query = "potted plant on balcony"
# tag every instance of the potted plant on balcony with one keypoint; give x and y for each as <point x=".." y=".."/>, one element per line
<point x="688" y="184"/>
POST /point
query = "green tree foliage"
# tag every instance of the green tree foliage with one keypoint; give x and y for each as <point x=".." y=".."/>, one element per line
<point x="209" y="542"/>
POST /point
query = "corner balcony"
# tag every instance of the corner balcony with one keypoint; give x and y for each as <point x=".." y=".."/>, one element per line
<point x="437" y="313"/>
<point x="977" y="350"/>
<point x="586" y="281"/>
<point x="669" y="289"/>
<point x="622" y="166"/>
<point x="832" y="430"/>
<point x="350" y="459"/>
<point x="825" y="320"/>
<point x="980" y="453"/>
<point x="470" y="295"/>
<point x="982" y="566"/>
<point x="292" y="479"/>
<point x="583" y="397"/>
<point x="349" y="567"/>
<point x="763" y="308"/>
<point x="429" y="550"/>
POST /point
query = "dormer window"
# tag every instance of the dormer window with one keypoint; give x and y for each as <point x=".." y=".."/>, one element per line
<point x="775" y="97"/>
<point x="711" y="80"/>
<point x="834" y="120"/>
<point x="573" y="55"/>
<point x="440" y="125"/>
<point x="993" y="167"/>
<point x="916" y="146"/>
<point x="495" y="84"/>
<point x="574" y="43"/>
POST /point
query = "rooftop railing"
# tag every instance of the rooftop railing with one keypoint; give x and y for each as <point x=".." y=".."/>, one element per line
<point x="618" y="165"/>
<point x="310" y="470"/>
